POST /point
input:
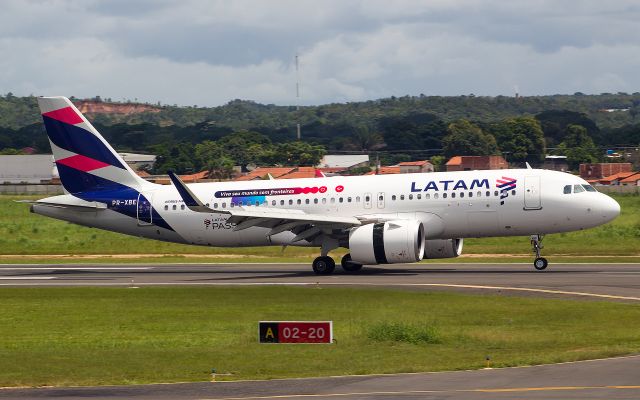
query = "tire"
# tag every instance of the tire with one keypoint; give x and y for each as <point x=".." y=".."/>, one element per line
<point x="324" y="266"/>
<point x="540" y="263"/>
<point x="348" y="265"/>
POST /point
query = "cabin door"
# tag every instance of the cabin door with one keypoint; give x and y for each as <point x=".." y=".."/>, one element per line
<point x="532" y="193"/>
<point x="145" y="215"/>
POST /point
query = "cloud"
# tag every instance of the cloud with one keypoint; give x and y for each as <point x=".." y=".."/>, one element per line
<point x="210" y="52"/>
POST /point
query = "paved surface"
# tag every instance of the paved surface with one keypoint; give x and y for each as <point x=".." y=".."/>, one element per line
<point x="612" y="282"/>
<point x="603" y="379"/>
<point x="617" y="378"/>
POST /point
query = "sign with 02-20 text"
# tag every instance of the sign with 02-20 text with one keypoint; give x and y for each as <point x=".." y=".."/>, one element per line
<point x="296" y="331"/>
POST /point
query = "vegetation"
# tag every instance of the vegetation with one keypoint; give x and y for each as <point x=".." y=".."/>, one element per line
<point x="91" y="336"/>
<point x="405" y="128"/>
<point x="23" y="233"/>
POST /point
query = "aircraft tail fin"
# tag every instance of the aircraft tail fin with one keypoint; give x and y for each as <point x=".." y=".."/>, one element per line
<point x="85" y="161"/>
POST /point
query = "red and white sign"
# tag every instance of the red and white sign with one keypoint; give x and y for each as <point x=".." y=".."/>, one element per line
<point x="296" y="331"/>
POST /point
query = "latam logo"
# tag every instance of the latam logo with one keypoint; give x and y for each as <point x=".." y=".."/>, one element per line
<point x="505" y="184"/>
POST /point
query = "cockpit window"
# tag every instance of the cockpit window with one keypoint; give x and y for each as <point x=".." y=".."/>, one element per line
<point x="567" y="189"/>
<point x="589" y="188"/>
<point x="578" y="188"/>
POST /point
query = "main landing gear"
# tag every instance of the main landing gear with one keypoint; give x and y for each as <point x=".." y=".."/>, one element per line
<point x="539" y="263"/>
<point x="324" y="265"/>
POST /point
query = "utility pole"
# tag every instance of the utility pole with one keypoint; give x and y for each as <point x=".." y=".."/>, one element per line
<point x="298" y="96"/>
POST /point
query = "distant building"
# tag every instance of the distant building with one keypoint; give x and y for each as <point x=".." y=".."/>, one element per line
<point x="600" y="170"/>
<point x="33" y="168"/>
<point x="345" y="161"/>
<point x="394" y="169"/>
<point x="139" y="161"/>
<point x="556" y="163"/>
<point x="614" y="180"/>
<point x="410" y="167"/>
<point x="633" y="180"/>
<point x="470" y="163"/>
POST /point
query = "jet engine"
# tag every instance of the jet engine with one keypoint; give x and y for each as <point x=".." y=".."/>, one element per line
<point x="442" y="248"/>
<point x="398" y="241"/>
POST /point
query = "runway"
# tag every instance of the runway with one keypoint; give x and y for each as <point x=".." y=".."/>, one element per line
<point x="612" y="282"/>
<point x="615" y="378"/>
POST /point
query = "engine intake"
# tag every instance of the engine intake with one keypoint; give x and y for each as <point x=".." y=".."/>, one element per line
<point x="442" y="248"/>
<point x="399" y="241"/>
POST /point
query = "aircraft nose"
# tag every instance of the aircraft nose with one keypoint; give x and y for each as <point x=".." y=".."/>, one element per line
<point x="610" y="208"/>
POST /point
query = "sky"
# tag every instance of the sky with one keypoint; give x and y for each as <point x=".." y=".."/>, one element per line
<point x="206" y="53"/>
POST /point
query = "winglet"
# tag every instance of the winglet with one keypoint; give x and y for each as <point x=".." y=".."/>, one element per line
<point x="190" y="199"/>
<point x="320" y="174"/>
<point x="528" y="166"/>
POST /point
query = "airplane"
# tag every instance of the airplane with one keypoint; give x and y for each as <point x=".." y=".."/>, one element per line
<point x="380" y="219"/>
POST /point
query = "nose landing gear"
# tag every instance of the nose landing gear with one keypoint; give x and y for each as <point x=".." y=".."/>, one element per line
<point x="539" y="263"/>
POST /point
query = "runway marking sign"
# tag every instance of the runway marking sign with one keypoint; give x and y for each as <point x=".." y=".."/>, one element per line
<point x="296" y="331"/>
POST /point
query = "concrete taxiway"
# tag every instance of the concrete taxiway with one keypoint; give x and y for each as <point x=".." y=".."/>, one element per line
<point x="613" y="282"/>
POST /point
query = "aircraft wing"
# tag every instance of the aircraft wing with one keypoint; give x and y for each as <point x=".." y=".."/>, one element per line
<point x="278" y="219"/>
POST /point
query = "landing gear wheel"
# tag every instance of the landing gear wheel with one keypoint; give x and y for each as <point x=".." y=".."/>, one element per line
<point x="324" y="265"/>
<point x="540" y="263"/>
<point x="348" y="265"/>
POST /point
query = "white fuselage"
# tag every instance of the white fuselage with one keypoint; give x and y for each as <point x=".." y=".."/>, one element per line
<point x="450" y="205"/>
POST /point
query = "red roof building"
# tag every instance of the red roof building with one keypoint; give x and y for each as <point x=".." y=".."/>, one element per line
<point x="615" y="178"/>
<point x="410" y="167"/>
<point x="470" y="163"/>
<point x="600" y="170"/>
<point x="633" y="180"/>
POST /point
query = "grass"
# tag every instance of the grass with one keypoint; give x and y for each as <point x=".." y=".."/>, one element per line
<point x="22" y="233"/>
<point x="91" y="336"/>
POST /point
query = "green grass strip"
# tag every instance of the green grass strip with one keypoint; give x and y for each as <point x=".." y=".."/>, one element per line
<point x="92" y="336"/>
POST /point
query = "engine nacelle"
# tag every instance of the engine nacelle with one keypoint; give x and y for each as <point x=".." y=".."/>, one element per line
<point x="442" y="248"/>
<point x="399" y="241"/>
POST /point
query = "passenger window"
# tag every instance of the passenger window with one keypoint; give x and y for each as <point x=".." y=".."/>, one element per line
<point x="290" y="202"/>
<point x="392" y="197"/>
<point x="589" y="188"/>
<point x="333" y="200"/>
<point x="427" y="196"/>
<point x="444" y="195"/>
<point x="182" y="206"/>
<point x="462" y="194"/>
<point x="513" y="192"/>
<point x="273" y="202"/>
<point x="166" y="207"/>
<point x="435" y="196"/>
<point x="224" y="205"/>
<point x="299" y="201"/>
<point x="348" y="199"/>
<point x="315" y="201"/>
<point x="380" y="198"/>
<point x="340" y="200"/>
<point x="357" y="199"/>
<point x="496" y="193"/>
<point x="367" y="198"/>
<point x="410" y="197"/>
<point x="567" y="189"/>
<point x="215" y="205"/>
<point x="324" y="200"/>
<point x="453" y="195"/>
<point x="479" y="194"/>
<point x="281" y="202"/>
<point x="488" y="193"/>
<point x="306" y="201"/>
<point x="578" y="189"/>
<point x="401" y="197"/>
<point x="173" y="207"/>
<point x="470" y="194"/>
<point x="419" y="196"/>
